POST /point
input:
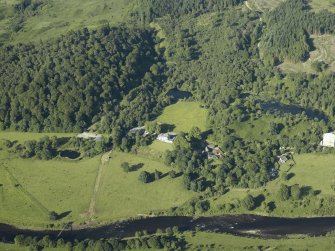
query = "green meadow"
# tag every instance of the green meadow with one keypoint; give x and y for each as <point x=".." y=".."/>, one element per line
<point x="258" y="129"/>
<point x="123" y="195"/>
<point x="31" y="188"/>
<point x="215" y="241"/>
<point x="184" y="115"/>
<point x="58" y="17"/>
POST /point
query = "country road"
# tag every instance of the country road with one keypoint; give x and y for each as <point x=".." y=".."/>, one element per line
<point x="103" y="162"/>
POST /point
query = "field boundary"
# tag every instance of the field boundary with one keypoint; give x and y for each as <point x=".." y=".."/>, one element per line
<point x="34" y="201"/>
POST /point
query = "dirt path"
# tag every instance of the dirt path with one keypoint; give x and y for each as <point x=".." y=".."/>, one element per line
<point x="104" y="161"/>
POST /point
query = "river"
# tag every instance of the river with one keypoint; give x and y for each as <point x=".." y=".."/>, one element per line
<point x="265" y="227"/>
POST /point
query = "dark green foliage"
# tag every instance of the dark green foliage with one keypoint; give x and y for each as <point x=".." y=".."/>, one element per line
<point x="288" y="28"/>
<point x="284" y="192"/>
<point x="125" y="166"/>
<point x="248" y="202"/>
<point x="70" y="83"/>
<point x="53" y="216"/>
<point x="296" y="192"/>
<point x="145" y="177"/>
<point x="148" y="10"/>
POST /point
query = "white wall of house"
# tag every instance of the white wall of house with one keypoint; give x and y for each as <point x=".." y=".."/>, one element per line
<point x="328" y="140"/>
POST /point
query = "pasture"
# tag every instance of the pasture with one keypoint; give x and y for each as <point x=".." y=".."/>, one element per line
<point x="23" y="136"/>
<point x="263" y="5"/>
<point x="122" y="195"/>
<point x="184" y="115"/>
<point x="258" y="129"/>
<point x="31" y="188"/>
<point x="58" y="17"/>
<point x="231" y="242"/>
<point x="318" y="5"/>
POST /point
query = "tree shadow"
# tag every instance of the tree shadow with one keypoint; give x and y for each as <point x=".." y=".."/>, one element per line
<point x="290" y="176"/>
<point x="272" y="205"/>
<point x="136" y="167"/>
<point x="259" y="200"/>
<point x="308" y="190"/>
<point x="167" y="128"/>
<point x="63" y="215"/>
<point x="204" y="135"/>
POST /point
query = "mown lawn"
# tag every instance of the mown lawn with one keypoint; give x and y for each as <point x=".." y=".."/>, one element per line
<point x="184" y="115"/>
<point x="122" y="195"/>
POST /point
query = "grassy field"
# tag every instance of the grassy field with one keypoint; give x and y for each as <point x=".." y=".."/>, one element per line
<point x="123" y="195"/>
<point x="184" y="115"/>
<point x="57" y="17"/>
<point x="319" y="5"/>
<point x="23" y="136"/>
<point x="55" y="185"/>
<point x="263" y="5"/>
<point x="325" y="52"/>
<point x="215" y="241"/>
<point x="258" y="129"/>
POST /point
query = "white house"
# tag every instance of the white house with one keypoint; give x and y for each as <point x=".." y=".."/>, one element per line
<point x="140" y="129"/>
<point x="167" y="137"/>
<point x="328" y="140"/>
<point x="89" y="135"/>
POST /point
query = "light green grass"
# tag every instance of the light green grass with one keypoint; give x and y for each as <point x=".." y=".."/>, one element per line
<point x="23" y="136"/>
<point x="160" y="146"/>
<point x="318" y="5"/>
<point x="12" y="247"/>
<point x="60" y="16"/>
<point x="58" y="185"/>
<point x="184" y="115"/>
<point x="123" y="195"/>
<point x="263" y="5"/>
<point x="230" y="242"/>
<point x="258" y="129"/>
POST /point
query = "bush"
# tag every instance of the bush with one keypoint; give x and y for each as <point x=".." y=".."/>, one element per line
<point x="248" y="202"/>
<point x="145" y="177"/>
<point x="284" y="192"/>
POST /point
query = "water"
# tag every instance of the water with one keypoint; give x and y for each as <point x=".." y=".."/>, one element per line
<point x="266" y="227"/>
<point x="69" y="154"/>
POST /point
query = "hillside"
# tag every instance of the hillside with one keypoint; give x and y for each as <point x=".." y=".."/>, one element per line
<point x="117" y="109"/>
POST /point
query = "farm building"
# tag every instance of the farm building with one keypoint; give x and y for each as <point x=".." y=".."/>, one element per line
<point x="89" y="135"/>
<point x="140" y="129"/>
<point x="282" y="159"/>
<point x="167" y="137"/>
<point x="328" y="140"/>
<point x="213" y="152"/>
